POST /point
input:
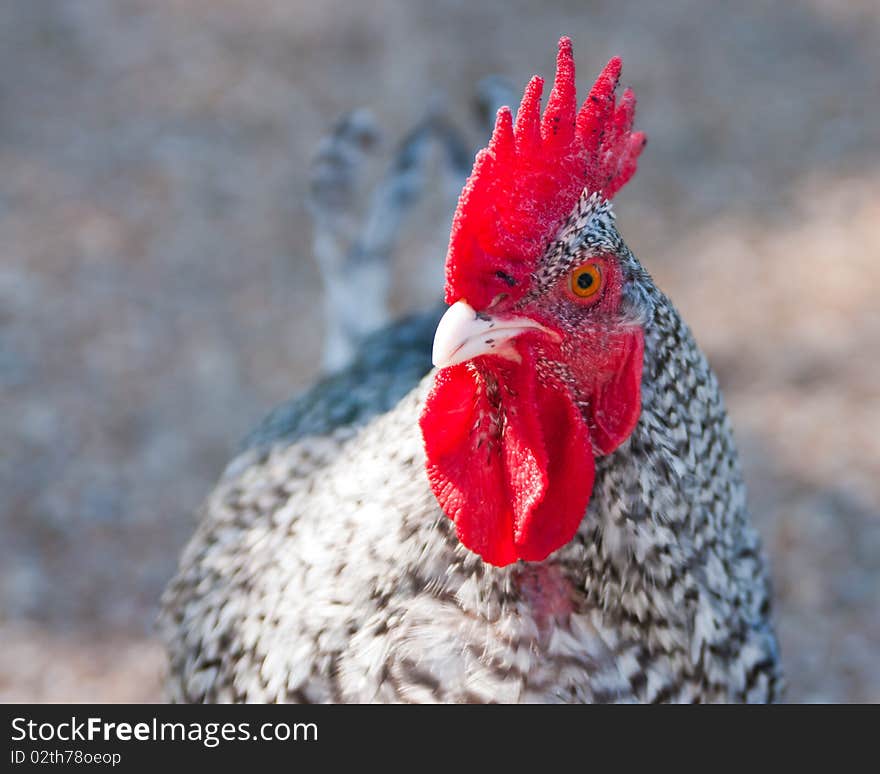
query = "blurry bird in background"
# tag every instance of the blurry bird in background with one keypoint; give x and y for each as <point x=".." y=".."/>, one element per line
<point x="554" y="514"/>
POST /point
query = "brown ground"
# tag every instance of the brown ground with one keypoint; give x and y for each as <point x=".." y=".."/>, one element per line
<point x="157" y="293"/>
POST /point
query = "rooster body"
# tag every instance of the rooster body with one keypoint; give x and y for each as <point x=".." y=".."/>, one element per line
<point x="328" y="567"/>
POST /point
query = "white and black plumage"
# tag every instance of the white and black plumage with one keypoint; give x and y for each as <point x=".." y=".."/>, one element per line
<point x="324" y="569"/>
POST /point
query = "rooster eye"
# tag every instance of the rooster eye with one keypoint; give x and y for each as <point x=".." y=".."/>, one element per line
<point x="586" y="280"/>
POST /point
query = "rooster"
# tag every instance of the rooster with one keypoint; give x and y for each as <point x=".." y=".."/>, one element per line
<point x="555" y="514"/>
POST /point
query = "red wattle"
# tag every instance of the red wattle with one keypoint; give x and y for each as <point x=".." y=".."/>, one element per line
<point x="570" y="471"/>
<point x="616" y="404"/>
<point x="464" y="471"/>
<point x="509" y="459"/>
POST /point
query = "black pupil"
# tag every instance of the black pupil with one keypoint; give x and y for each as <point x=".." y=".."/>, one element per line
<point x="585" y="280"/>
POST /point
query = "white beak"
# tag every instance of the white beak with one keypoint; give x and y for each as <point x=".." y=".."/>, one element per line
<point x="463" y="334"/>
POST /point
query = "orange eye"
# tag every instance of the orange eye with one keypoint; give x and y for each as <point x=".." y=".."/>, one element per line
<point x="586" y="280"/>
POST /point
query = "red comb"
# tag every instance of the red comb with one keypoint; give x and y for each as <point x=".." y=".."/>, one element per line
<point x="527" y="181"/>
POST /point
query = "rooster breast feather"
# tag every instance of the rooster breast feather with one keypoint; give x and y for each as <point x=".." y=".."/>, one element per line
<point x="322" y="568"/>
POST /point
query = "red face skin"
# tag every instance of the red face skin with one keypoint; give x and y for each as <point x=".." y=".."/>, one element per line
<point x="511" y="445"/>
<point x="600" y="357"/>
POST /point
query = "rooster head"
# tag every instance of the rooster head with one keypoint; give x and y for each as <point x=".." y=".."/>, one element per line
<point x="540" y="352"/>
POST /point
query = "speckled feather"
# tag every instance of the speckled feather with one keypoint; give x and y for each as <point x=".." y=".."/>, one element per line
<point x="323" y="570"/>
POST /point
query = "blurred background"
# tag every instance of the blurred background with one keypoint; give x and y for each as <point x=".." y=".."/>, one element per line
<point x="158" y="294"/>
